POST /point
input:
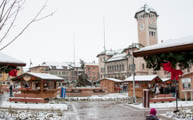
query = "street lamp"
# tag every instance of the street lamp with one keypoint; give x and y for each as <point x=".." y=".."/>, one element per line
<point x="132" y="67"/>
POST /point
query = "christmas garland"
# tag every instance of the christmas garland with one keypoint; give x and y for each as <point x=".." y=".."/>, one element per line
<point x="182" y="59"/>
<point x="7" y="69"/>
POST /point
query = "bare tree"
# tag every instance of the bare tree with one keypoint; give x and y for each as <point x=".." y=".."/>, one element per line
<point x="9" y="11"/>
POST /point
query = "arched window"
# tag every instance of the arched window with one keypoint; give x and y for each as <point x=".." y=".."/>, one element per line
<point x="143" y="66"/>
<point x="123" y="67"/>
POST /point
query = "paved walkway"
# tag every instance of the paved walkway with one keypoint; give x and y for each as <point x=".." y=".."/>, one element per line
<point x="104" y="110"/>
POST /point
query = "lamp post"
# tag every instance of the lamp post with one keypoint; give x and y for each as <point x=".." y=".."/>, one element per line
<point x="176" y="95"/>
<point x="133" y="72"/>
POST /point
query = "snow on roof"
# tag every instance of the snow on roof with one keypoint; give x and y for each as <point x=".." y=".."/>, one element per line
<point x="113" y="79"/>
<point x="188" y="73"/>
<point x="111" y="52"/>
<point x="95" y="64"/>
<point x="165" y="79"/>
<point x="57" y="65"/>
<point x="8" y="59"/>
<point x="45" y="76"/>
<point x="169" y="43"/>
<point x="141" y="78"/>
<point x="117" y="57"/>
<point x="146" y="8"/>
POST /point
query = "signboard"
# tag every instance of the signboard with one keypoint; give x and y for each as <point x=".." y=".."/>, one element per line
<point x="186" y="80"/>
<point x="26" y="77"/>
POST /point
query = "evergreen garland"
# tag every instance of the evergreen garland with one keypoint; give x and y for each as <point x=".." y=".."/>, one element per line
<point x="182" y="59"/>
<point x="7" y="69"/>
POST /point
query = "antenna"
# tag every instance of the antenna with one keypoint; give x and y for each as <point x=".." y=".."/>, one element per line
<point x="74" y="47"/>
<point x="30" y="64"/>
<point x="104" y="46"/>
<point x="104" y="33"/>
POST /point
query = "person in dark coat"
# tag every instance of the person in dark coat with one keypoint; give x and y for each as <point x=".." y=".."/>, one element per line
<point x="161" y="89"/>
<point x="173" y="91"/>
<point x="152" y="115"/>
<point x="11" y="90"/>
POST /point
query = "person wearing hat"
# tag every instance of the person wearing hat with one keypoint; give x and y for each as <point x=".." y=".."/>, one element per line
<point x="152" y="115"/>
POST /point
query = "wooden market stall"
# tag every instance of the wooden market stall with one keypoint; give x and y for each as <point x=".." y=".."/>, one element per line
<point x="36" y="85"/>
<point x="8" y="63"/>
<point x="142" y="82"/>
<point x="112" y="85"/>
<point x="171" y="54"/>
<point x="186" y="86"/>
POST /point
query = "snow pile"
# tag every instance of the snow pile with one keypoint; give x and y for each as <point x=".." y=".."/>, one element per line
<point x="30" y="115"/>
<point x="111" y="97"/>
<point x="166" y="104"/>
<point x="47" y="106"/>
<point x="181" y="115"/>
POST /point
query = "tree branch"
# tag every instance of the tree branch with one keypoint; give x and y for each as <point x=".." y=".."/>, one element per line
<point x="35" y="18"/>
<point x="10" y="25"/>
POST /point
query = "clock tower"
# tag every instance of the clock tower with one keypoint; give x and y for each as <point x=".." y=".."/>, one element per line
<point x="147" y="25"/>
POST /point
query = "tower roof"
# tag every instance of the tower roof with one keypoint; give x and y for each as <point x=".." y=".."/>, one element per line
<point x="146" y="9"/>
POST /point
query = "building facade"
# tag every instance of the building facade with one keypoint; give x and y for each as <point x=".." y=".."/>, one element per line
<point x="119" y="63"/>
<point x="147" y="25"/>
<point x="92" y="71"/>
<point x="64" y="70"/>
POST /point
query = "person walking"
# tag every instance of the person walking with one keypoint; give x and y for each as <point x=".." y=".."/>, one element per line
<point x="11" y="90"/>
<point x="157" y="89"/>
<point x="152" y="115"/>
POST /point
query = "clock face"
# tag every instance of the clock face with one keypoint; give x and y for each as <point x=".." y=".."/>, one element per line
<point x="142" y="27"/>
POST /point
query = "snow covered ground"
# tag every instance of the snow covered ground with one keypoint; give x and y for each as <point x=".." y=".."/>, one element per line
<point x="181" y="115"/>
<point x="113" y="96"/>
<point x="48" y="106"/>
<point x="46" y="111"/>
<point x="31" y="115"/>
<point x="185" y="113"/>
<point x="52" y="105"/>
<point x="41" y="111"/>
<point x="165" y="105"/>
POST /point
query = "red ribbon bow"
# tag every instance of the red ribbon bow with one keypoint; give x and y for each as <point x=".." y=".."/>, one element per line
<point x="13" y="73"/>
<point x="174" y="73"/>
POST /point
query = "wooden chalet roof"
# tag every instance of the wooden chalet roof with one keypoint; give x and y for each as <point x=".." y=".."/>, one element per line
<point x="174" y="45"/>
<point x="8" y="60"/>
<point x="38" y="76"/>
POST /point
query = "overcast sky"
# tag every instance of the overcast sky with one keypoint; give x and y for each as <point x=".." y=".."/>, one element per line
<point x="52" y="39"/>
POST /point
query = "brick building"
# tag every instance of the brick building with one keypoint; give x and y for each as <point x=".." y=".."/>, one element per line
<point x="92" y="71"/>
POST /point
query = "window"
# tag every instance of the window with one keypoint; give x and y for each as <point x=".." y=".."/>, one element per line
<point x="120" y="67"/>
<point x="137" y="85"/>
<point x="143" y="66"/>
<point x="151" y="33"/>
<point x="186" y="83"/>
<point x="123" y="67"/>
<point x="188" y="69"/>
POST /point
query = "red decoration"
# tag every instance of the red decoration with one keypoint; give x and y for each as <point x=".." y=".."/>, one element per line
<point x="174" y="73"/>
<point x="13" y="73"/>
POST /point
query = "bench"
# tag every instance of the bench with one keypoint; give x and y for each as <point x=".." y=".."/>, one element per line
<point x="162" y="98"/>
